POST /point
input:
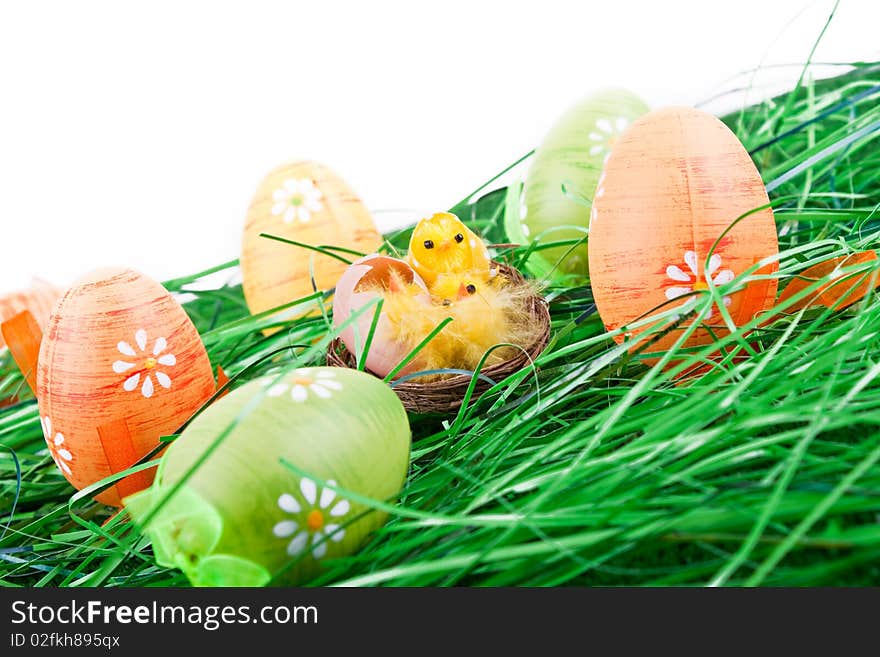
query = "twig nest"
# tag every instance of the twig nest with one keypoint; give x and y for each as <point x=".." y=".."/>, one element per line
<point x="120" y="366"/>
<point x="263" y="506"/>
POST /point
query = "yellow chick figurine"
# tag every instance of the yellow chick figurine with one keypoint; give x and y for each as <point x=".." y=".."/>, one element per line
<point x="485" y="312"/>
<point x="448" y="288"/>
<point x="486" y="307"/>
<point x="442" y="244"/>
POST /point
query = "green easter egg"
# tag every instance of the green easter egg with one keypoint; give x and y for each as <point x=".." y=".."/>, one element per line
<point x="563" y="176"/>
<point x="244" y="518"/>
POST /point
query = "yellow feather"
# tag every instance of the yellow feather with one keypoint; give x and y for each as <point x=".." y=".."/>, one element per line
<point x="497" y="311"/>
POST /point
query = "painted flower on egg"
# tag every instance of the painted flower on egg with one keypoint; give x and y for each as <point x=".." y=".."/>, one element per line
<point x="296" y="200"/>
<point x="305" y="382"/>
<point x="60" y="454"/>
<point x="315" y="528"/>
<point x="146" y="362"/>
<point x="606" y="133"/>
<point x="693" y="281"/>
<point x="112" y="346"/>
<point x="683" y="209"/>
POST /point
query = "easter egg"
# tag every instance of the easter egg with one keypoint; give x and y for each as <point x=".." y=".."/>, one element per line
<point x="39" y="299"/>
<point x="676" y="182"/>
<point x="265" y="505"/>
<point x="308" y="203"/>
<point x="562" y="178"/>
<point x="120" y="366"/>
<point x="841" y="291"/>
<point x="362" y="283"/>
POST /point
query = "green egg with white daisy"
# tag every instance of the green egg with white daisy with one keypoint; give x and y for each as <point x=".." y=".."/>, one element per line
<point x="278" y="477"/>
<point x="563" y="177"/>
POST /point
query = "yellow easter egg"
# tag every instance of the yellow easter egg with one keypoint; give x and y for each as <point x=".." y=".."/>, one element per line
<point x="304" y="202"/>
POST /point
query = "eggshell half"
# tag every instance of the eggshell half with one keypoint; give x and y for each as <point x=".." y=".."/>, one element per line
<point x="308" y="203"/>
<point x="385" y="352"/>
<point x="674" y="183"/>
<point x="118" y="348"/>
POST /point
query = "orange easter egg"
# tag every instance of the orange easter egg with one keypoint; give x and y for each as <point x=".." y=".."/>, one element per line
<point x="39" y="299"/>
<point x="840" y="292"/>
<point x="308" y="203"/>
<point x="120" y="366"/>
<point x="676" y="180"/>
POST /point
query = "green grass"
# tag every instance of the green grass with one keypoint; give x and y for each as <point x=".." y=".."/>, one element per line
<point x="594" y="468"/>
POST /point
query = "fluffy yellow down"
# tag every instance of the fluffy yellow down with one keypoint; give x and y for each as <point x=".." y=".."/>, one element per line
<point x="495" y="312"/>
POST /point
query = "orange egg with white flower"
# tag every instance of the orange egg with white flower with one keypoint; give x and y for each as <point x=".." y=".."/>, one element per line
<point x="680" y="207"/>
<point x="120" y="366"/>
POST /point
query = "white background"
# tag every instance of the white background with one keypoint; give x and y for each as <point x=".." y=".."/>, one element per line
<point x="136" y="134"/>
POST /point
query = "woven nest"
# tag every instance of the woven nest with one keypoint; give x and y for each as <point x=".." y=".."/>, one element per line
<point x="446" y="395"/>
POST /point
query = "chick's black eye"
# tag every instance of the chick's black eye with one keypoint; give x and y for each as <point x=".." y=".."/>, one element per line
<point x="429" y="244"/>
<point x="459" y="238"/>
<point x="471" y="289"/>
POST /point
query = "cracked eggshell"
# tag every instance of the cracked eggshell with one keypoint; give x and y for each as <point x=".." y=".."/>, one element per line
<point x="674" y="184"/>
<point x="262" y="508"/>
<point x="385" y="352"/>
<point x="309" y="203"/>
<point x="117" y="348"/>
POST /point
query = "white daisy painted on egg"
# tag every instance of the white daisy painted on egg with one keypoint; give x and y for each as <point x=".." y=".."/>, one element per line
<point x="306" y="382"/>
<point x="296" y="200"/>
<point x="314" y="522"/>
<point x="605" y="133"/>
<point x="693" y="281"/>
<point x="144" y="364"/>
<point x="60" y="454"/>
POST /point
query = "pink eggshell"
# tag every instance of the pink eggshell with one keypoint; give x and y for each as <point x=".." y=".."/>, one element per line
<point x="385" y="352"/>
